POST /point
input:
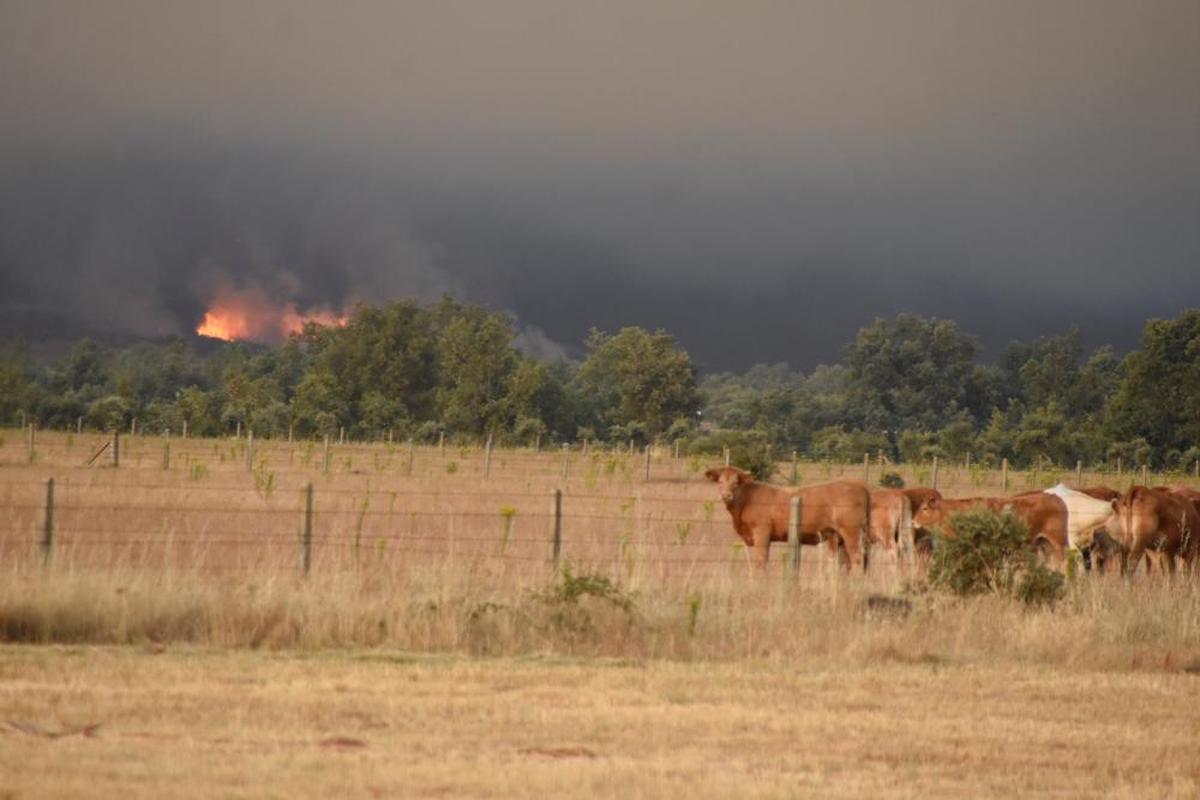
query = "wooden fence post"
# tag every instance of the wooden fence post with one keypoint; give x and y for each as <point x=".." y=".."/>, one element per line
<point x="677" y="450"/>
<point x="342" y="435"/>
<point x="487" y="457"/>
<point x="967" y="463"/>
<point x="47" y="542"/>
<point x="566" y="461"/>
<point x="1145" y="474"/>
<point x="185" y="429"/>
<point x="133" y="426"/>
<point x="537" y="444"/>
<point x="441" y="443"/>
<point x="306" y="536"/>
<point x="935" y="473"/>
<point x="867" y="468"/>
<point x="794" y="539"/>
<point x="795" y="472"/>
<point x="647" y="462"/>
<point x="238" y="433"/>
<point x="116" y="447"/>
<point x="556" y="544"/>
<point x="166" y="462"/>
<point x="727" y="456"/>
<point x="31" y="442"/>
<point x="291" y="428"/>
<point x="79" y="424"/>
<point x="250" y="449"/>
<point x="1078" y="473"/>
<point x="1004" y="474"/>
<point x="411" y="448"/>
<point x="389" y="436"/>
<point x="325" y="457"/>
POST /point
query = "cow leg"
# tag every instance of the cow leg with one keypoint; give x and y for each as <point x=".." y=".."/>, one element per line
<point x="1130" y="560"/>
<point x="854" y="551"/>
<point x="762" y="547"/>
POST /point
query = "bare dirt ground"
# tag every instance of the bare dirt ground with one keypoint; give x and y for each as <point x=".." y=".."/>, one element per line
<point x="147" y="722"/>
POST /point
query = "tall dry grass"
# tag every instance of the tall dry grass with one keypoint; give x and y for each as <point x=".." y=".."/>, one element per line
<point x="1104" y="624"/>
<point x="433" y="553"/>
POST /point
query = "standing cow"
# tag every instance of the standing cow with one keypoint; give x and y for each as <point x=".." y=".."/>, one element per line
<point x="891" y="521"/>
<point x="1156" y="520"/>
<point x="834" y="511"/>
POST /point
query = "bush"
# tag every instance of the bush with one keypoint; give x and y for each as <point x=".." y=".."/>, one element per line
<point x="891" y="480"/>
<point x="748" y="450"/>
<point x="989" y="553"/>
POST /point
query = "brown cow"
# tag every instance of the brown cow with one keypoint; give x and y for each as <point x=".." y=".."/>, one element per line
<point x="891" y="521"/>
<point x="1045" y="515"/>
<point x="834" y="511"/>
<point x="1155" y="520"/>
<point x="922" y="537"/>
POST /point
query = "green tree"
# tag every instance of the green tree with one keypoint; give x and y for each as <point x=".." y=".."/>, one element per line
<point x="640" y="378"/>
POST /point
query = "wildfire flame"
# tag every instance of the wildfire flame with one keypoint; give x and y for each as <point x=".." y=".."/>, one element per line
<point x="251" y="315"/>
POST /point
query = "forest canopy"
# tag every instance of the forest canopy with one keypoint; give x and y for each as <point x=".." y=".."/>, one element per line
<point x="911" y="387"/>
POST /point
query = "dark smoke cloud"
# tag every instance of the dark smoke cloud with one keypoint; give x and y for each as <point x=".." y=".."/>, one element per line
<point x="761" y="183"/>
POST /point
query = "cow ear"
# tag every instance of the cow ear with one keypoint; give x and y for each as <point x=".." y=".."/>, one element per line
<point x="713" y="474"/>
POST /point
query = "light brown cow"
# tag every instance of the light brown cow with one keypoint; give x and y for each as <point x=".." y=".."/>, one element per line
<point x="1156" y="520"/>
<point x="891" y="521"/>
<point x="1044" y="515"/>
<point x="836" y="512"/>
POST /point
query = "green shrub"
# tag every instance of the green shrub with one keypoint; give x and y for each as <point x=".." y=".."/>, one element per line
<point x="989" y="553"/>
<point x="892" y="480"/>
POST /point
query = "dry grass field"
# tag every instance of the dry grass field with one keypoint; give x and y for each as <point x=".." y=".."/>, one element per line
<point x="171" y="644"/>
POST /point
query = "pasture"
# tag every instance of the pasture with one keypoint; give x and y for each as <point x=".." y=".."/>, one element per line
<point x="433" y="648"/>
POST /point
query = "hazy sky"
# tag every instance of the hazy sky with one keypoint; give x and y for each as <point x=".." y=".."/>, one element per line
<point x="759" y="178"/>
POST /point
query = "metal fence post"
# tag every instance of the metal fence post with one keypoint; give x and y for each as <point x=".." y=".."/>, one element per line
<point x="794" y="539"/>
<point x="306" y="537"/>
<point x="47" y="544"/>
<point x="556" y="547"/>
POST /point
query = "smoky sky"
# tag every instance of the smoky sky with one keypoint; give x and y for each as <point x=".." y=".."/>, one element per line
<point x="761" y="179"/>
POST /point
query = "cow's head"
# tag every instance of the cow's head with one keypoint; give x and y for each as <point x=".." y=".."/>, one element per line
<point x="730" y="481"/>
<point x="929" y="513"/>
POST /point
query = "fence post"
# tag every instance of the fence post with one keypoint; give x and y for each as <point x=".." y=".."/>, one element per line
<point x="647" y="462"/>
<point x="250" y="449"/>
<point x="185" y="429"/>
<point x="48" y="531"/>
<point x="727" y="456"/>
<point x="537" y="444"/>
<point x="30" y="444"/>
<point x="441" y="443"/>
<point x="1145" y="474"/>
<point x="1078" y="473"/>
<point x="867" y="468"/>
<point x="389" y="436"/>
<point x="556" y="548"/>
<point x="935" y="472"/>
<point x="1198" y="467"/>
<point x="291" y="426"/>
<point x="794" y="468"/>
<point x="794" y="538"/>
<point x="116" y="447"/>
<point x="133" y="426"/>
<point x="79" y="425"/>
<point x="967" y="463"/>
<point x="677" y="450"/>
<point x="1004" y="474"/>
<point x="238" y="433"/>
<point x="487" y="457"/>
<point x="325" y="457"/>
<point x="166" y="462"/>
<point x="411" y="448"/>
<point x="1118" y="468"/>
<point x="306" y="537"/>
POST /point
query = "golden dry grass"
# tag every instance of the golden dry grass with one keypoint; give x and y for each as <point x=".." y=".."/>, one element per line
<point x="201" y="723"/>
<point x="434" y="650"/>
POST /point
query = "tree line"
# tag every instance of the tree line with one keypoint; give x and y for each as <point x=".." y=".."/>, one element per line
<point x="910" y="387"/>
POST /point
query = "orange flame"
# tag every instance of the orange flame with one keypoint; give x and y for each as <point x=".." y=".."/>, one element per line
<point x="251" y="315"/>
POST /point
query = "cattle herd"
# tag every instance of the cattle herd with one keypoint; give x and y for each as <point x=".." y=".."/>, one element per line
<point x="1111" y="529"/>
